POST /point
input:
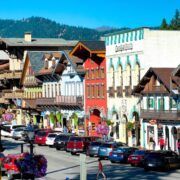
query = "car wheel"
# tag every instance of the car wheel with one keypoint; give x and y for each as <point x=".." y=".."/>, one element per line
<point x="73" y="153"/>
<point x="57" y="148"/>
<point x="91" y="155"/>
<point x="167" y="167"/>
<point x="132" y="165"/>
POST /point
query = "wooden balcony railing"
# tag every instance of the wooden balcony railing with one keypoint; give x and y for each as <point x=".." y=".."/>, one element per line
<point x="10" y="75"/>
<point x="9" y="94"/>
<point x="69" y="100"/>
<point x="45" y="101"/>
<point x="128" y="91"/>
<point x="160" y="114"/>
<point x="119" y="91"/>
<point x="111" y="91"/>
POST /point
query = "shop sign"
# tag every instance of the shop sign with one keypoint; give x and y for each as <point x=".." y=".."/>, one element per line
<point x="152" y="122"/>
<point x="123" y="47"/>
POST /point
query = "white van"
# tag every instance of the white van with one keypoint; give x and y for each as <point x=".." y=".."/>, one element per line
<point x="10" y="129"/>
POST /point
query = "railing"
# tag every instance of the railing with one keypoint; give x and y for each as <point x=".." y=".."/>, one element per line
<point x="10" y="75"/>
<point x="45" y="101"/>
<point x="9" y="94"/>
<point x="69" y="100"/>
<point x="160" y="114"/>
<point x="111" y="91"/>
<point x="119" y="91"/>
<point x="128" y="91"/>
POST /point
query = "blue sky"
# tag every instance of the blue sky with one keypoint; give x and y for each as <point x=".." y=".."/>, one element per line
<point x="93" y="13"/>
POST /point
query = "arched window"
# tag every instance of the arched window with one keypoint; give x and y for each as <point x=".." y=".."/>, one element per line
<point x="137" y="73"/>
<point x="112" y="78"/>
<point x="120" y="75"/>
<point x="128" y="74"/>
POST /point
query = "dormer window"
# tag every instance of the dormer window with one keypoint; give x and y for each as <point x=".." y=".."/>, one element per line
<point x="46" y="64"/>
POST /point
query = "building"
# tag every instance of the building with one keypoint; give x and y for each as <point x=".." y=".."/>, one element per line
<point x="129" y="54"/>
<point x="11" y="72"/>
<point x="159" y="110"/>
<point x="93" y="55"/>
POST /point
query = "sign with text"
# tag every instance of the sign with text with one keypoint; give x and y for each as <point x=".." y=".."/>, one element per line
<point x="124" y="47"/>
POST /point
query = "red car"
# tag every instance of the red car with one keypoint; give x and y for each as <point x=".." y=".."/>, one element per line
<point x="137" y="158"/>
<point x="79" y="144"/>
<point x="41" y="137"/>
<point x="10" y="166"/>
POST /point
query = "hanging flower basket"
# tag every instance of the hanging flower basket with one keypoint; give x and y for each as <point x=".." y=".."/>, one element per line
<point x="8" y="116"/>
<point x="102" y="129"/>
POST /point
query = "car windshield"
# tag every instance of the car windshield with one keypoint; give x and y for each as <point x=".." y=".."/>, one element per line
<point x="139" y="153"/>
<point x="41" y="133"/>
<point x="19" y="129"/>
<point x="62" y="138"/>
<point x="52" y="135"/>
<point x="107" y="145"/>
<point x="155" y="156"/>
<point x="18" y="126"/>
<point x="75" y="139"/>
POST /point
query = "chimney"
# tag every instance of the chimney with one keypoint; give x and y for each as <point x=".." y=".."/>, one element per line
<point x="28" y="37"/>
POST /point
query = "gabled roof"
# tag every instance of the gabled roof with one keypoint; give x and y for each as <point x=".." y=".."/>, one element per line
<point x="92" y="47"/>
<point x="163" y="75"/>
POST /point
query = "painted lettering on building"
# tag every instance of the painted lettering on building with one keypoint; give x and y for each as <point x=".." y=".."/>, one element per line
<point x="123" y="47"/>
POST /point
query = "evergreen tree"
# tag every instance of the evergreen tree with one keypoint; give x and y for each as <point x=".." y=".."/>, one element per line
<point x="175" y="22"/>
<point x="164" y="25"/>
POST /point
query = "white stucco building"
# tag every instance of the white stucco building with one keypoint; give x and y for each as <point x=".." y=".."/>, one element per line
<point x="129" y="54"/>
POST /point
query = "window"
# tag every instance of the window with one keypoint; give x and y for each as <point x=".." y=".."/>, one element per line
<point x="46" y="64"/>
<point x="111" y="40"/>
<point x="128" y="75"/>
<point x="92" y="73"/>
<point x="87" y="74"/>
<point x="102" y="87"/>
<point x="102" y="73"/>
<point x="115" y="39"/>
<point x="98" y="91"/>
<point x="135" y="37"/>
<point x="112" y="79"/>
<point x="88" y="91"/>
<point x="92" y="91"/>
<point x="150" y="103"/>
<point x="120" y="75"/>
<point x="137" y="73"/>
<point x="107" y="41"/>
<point x="173" y="103"/>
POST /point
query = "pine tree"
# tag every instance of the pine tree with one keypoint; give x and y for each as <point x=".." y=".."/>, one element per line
<point x="164" y="25"/>
<point x="175" y="22"/>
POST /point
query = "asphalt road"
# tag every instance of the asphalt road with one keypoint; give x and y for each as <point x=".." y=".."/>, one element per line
<point x="62" y="165"/>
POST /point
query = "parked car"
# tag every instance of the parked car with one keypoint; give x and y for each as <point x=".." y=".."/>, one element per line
<point x="41" y="137"/>
<point x="106" y="148"/>
<point x="161" y="160"/>
<point x="50" y="139"/>
<point x="137" y="158"/>
<point x="12" y="171"/>
<point x="79" y="144"/>
<point x="10" y="129"/>
<point x="120" y="154"/>
<point x="61" y="140"/>
<point x="17" y="133"/>
<point x="94" y="148"/>
<point x="2" y="157"/>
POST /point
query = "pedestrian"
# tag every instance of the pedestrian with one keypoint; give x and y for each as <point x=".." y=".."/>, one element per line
<point x="152" y="143"/>
<point x="161" y="143"/>
<point x="178" y="146"/>
<point x="100" y="170"/>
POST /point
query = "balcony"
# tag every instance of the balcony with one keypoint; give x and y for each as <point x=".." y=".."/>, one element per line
<point x="45" y="101"/>
<point x="160" y="114"/>
<point x="10" y="94"/>
<point x="128" y="91"/>
<point x="69" y="100"/>
<point x="11" y="75"/>
<point x="119" y="91"/>
<point x="111" y="91"/>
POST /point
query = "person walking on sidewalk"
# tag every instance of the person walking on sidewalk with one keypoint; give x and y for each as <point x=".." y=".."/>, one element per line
<point x="161" y="143"/>
<point x="100" y="170"/>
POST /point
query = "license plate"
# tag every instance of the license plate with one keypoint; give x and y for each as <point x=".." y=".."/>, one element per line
<point x="103" y="150"/>
<point x="115" y="155"/>
<point x="150" y="165"/>
<point x="134" y="157"/>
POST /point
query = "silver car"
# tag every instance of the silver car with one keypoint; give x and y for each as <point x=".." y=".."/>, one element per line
<point x="93" y="148"/>
<point x="17" y="133"/>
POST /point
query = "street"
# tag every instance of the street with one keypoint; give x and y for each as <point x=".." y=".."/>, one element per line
<point x="62" y="165"/>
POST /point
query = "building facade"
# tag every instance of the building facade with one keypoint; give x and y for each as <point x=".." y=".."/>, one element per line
<point x="129" y="54"/>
